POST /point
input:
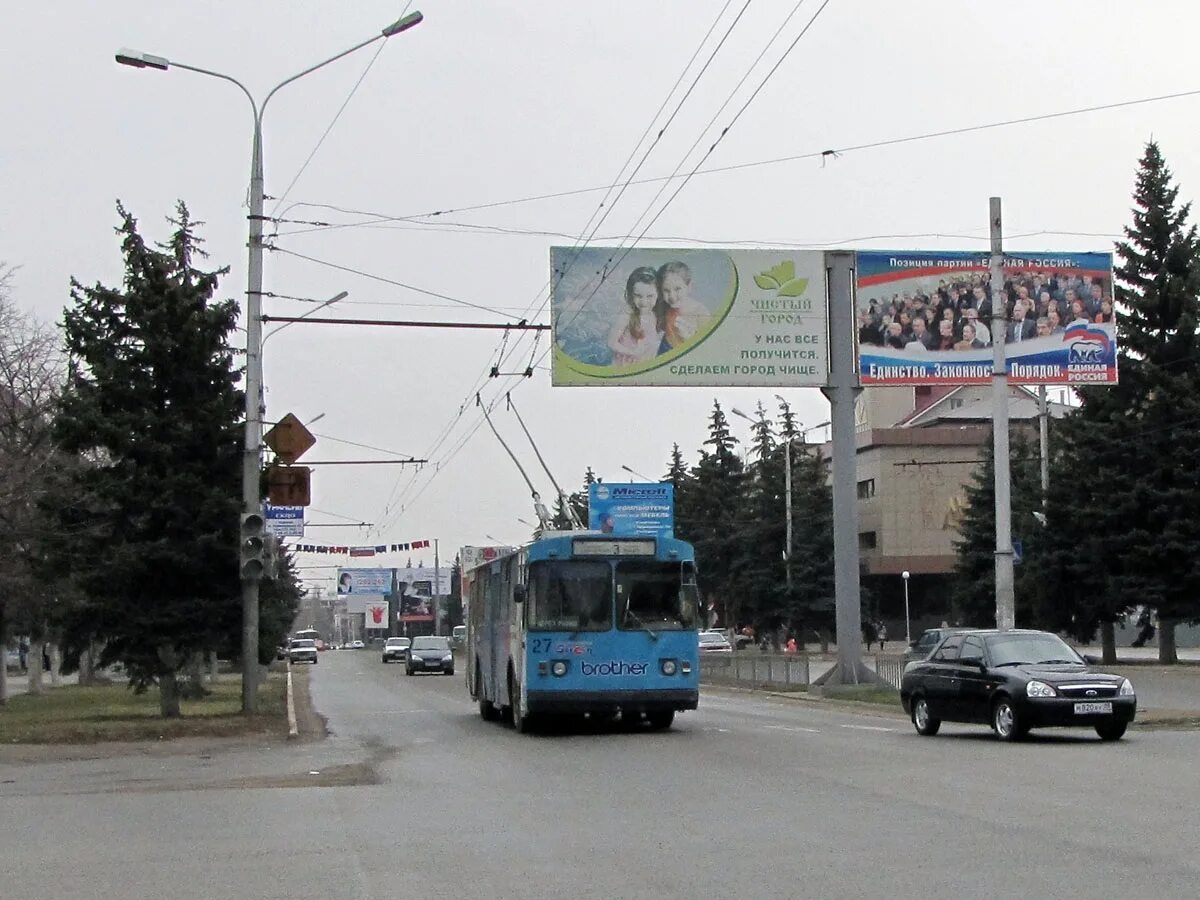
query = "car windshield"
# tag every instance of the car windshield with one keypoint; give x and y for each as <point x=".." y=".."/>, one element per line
<point x="397" y="642"/>
<point x="571" y="595"/>
<point x="709" y="637"/>
<point x="657" y="595"/>
<point x="430" y="643"/>
<point x="1011" y="649"/>
<point x="301" y="645"/>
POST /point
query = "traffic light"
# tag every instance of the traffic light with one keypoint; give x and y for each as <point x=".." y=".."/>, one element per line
<point x="253" y="547"/>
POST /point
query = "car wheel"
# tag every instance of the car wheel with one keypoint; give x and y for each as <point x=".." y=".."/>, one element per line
<point x="408" y="671"/>
<point x="488" y="711"/>
<point x="660" y="720"/>
<point x="1112" y="730"/>
<point x="449" y="672"/>
<point x="926" y="724"/>
<point x="1006" y="722"/>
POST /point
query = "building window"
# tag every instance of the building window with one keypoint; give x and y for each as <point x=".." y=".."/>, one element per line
<point x="867" y="540"/>
<point x="956" y="403"/>
<point x="866" y="489"/>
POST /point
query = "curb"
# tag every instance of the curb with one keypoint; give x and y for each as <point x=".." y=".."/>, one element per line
<point x="293" y="729"/>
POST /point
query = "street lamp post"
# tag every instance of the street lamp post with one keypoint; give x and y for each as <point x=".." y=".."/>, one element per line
<point x="637" y="474"/>
<point x="252" y="457"/>
<point x="907" y="629"/>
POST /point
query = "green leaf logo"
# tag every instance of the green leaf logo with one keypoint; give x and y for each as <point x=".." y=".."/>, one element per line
<point x="782" y="279"/>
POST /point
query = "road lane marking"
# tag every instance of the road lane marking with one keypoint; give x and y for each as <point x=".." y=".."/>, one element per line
<point x="867" y="727"/>
<point x="793" y="728"/>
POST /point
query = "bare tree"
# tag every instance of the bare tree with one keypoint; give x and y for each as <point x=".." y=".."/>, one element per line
<point x="31" y="375"/>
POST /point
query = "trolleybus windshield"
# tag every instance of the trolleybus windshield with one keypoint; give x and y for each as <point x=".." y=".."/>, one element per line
<point x="657" y="595"/>
<point x="570" y="595"/>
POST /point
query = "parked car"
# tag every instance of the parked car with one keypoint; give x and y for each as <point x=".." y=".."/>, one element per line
<point x="430" y="654"/>
<point x="12" y="660"/>
<point x="395" y="649"/>
<point x="303" y="650"/>
<point x="1014" y="680"/>
<point x="925" y="644"/>
<point x="714" y="642"/>
<point x="458" y="636"/>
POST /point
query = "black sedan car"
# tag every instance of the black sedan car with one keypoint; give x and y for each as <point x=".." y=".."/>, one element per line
<point x="430" y="654"/>
<point x="1014" y="681"/>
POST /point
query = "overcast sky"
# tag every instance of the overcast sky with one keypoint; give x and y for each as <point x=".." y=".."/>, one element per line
<point x="485" y="103"/>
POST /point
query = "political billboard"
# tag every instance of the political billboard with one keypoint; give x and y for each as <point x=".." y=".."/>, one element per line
<point x="926" y="318"/>
<point x="632" y="509"/>
<point x="696" y="317"/>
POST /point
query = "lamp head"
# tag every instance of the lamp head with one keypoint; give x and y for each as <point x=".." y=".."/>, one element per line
<point x="139" y="60"/>
<point x="403" y="24"/>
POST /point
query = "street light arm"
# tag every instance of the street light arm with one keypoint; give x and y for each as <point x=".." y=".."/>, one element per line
<point x="395" y="28"/>
<point x="223" y="77"/>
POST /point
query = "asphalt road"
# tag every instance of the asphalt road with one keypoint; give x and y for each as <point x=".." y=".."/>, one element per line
<point x="746" y="797"/>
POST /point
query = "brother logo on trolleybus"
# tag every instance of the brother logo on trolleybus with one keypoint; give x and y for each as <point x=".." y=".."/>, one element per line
<point x="613" y="668"/>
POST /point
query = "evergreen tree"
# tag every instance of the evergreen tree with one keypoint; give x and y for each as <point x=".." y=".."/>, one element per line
<point x="1137" y="444"/>
<point x="279" y="602"/>
<point x="718" y="481"/>
<point x="975" y="567"/>
<point x="811" y="604"/>
<point x="152" y="401"/>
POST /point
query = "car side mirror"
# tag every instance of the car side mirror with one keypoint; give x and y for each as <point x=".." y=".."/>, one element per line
<point x="1090" y="660"/>
<point x="520" y="592"/>
<point x="973" y="661"/>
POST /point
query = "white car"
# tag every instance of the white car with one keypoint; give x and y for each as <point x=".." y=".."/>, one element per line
<point x="714" y="642"/>
<point x="396" y="649"/>
<point x="303" y="650"/>
<point x="357" y="645"/>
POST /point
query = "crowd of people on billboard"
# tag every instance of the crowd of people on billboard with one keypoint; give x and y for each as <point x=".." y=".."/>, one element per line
<point x="956" y="315"/>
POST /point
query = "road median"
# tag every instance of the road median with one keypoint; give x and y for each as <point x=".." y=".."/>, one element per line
<point x="89" y="714"/>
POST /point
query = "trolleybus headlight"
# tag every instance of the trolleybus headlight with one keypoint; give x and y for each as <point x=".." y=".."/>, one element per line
<point x="685" y="667"/>
<point x="559" y="667"/>
<point x="668" y="666"/>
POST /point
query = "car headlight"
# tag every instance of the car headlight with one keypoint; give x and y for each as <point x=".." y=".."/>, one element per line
<point x="1039" y="689"/>
<point x="449" y="657"/>
<point x="559" y="667"/>
<point x="1126" y="688"/>
<point x="668" y="666"/>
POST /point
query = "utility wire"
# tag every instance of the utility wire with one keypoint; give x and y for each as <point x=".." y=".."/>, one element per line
<point x="392" y="281"/>
<point x="378" y="218"/>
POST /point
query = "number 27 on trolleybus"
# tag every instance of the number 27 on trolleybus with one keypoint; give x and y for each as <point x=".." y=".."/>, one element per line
<point x="577" y="622"/>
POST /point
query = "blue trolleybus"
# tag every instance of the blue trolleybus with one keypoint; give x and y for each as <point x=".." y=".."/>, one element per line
<point x="580" y="622"/>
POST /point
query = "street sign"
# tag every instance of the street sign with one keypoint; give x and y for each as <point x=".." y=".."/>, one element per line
<point x="289" y="439"/>
<point x="288" y="485"/>
<point x="1018" y="552"/>
<point x="285" y="521"/>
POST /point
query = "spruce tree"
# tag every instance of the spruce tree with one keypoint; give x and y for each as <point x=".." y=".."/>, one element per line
<point x="152" y="402"/>
<point x="1136" y="445"/>
<point x="718" y="482"/>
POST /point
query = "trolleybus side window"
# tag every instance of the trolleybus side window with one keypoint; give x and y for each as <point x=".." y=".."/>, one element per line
<point x="659" y="595"/>
<point x="570" y="595"/>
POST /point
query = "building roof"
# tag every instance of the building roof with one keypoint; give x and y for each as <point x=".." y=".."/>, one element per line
<point x="972" y="403"/>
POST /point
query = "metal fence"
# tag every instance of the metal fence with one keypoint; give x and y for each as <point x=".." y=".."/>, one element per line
<point x="780" y="671"/>
<point x="784" y="671"/>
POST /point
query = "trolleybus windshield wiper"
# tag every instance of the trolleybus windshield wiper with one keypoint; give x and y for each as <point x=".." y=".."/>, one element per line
<point x="630" y="614"/>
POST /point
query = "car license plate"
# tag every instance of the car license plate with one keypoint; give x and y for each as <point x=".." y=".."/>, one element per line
<point x="1083" y="709"/>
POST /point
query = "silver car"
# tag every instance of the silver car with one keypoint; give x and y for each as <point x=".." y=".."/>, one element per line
<point x="303" y="650"/>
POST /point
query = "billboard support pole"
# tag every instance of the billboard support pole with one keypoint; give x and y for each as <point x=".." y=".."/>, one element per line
<point x="1044" y="442"/>
<point x="1005" y="596"/>
<point x="842" y="390"/>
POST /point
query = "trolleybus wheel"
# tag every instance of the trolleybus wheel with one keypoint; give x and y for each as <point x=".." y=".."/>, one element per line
<point x="522" y="721"/>
<point x="660" y="719"/>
